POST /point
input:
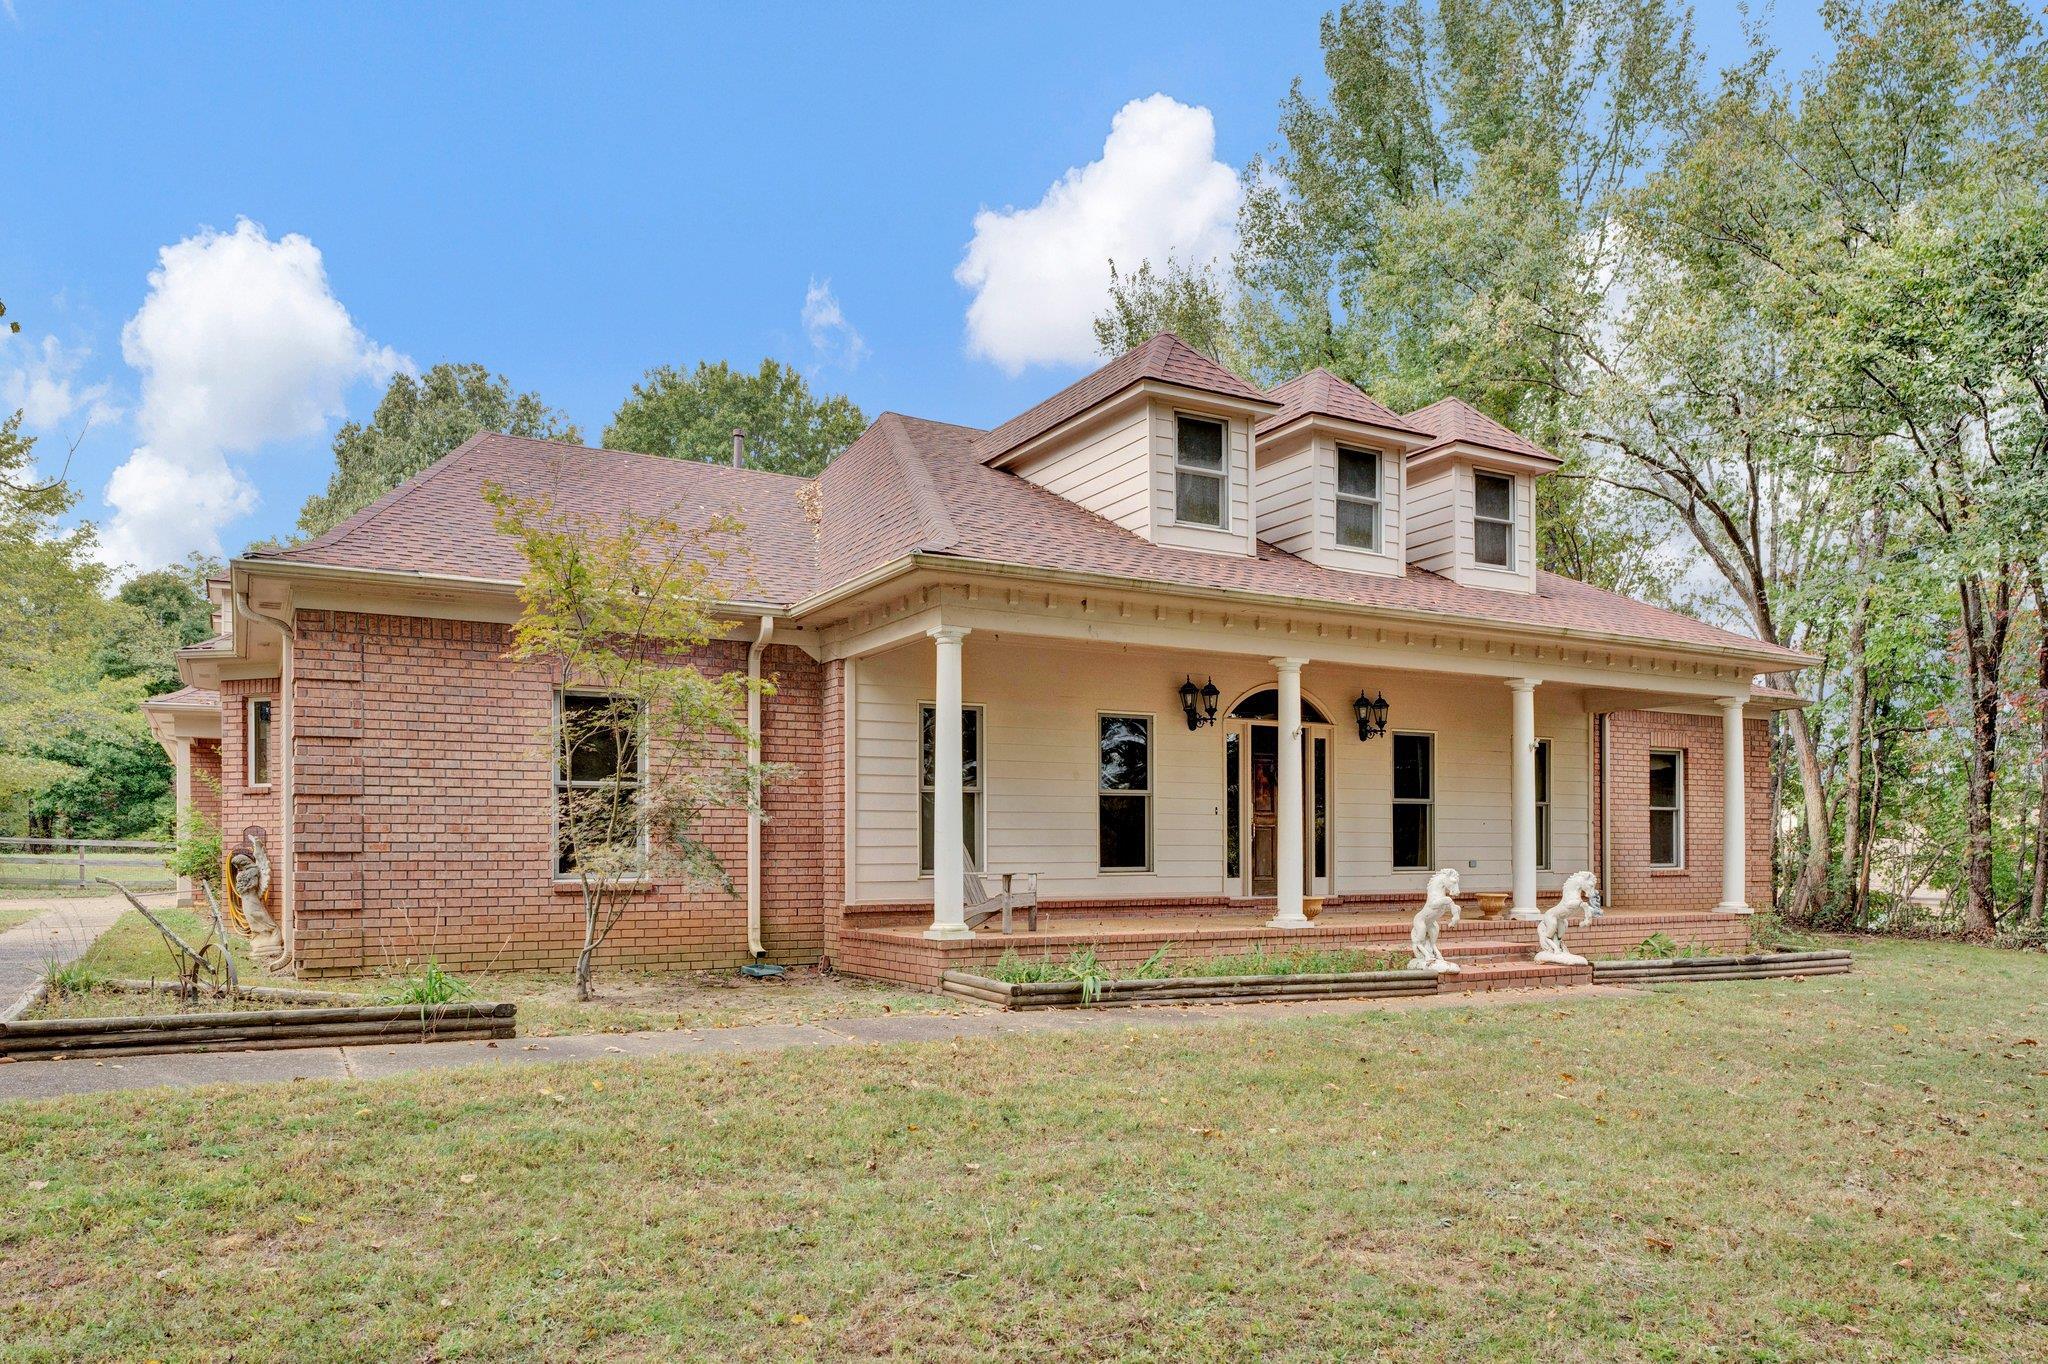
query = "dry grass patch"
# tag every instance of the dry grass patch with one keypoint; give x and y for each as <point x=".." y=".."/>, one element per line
<point x="628" y="1001"/>
<point x="1850" y="1168"/>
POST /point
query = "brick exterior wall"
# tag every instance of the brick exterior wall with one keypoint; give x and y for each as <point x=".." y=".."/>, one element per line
<point x="241" y="804"/>
<point x="1633" y="883"/>
<point x="206" y="780"/>
<point x="423" y="807"/>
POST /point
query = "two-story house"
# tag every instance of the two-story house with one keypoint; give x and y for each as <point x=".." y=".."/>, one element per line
<point x="1202" y="657"/>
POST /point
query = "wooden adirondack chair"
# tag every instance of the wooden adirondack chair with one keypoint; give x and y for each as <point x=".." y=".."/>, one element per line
<point x="1019" y="891"/>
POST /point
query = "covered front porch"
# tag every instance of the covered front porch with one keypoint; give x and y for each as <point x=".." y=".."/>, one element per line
<point x="1210" y="783"/>
<point x="1491" y="953"/>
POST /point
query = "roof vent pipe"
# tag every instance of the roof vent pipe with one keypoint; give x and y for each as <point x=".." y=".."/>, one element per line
<point x="739" y="447"/>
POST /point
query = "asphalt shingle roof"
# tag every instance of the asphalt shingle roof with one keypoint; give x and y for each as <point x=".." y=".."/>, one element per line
<point x="1321" y="393"/>
<point x="1165" y="357"/>
<point x="914" y="486"/>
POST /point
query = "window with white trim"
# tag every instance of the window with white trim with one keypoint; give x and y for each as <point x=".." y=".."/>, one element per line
<point x="258" y="737"/>
<point x="1123" y="792"/>
<point x="1493" y="519"/>
<point x="1201" y="479"/>
<point x="1358" y="499"/>
<point x="970" y="784"/>
<point x="1667" y="807"/>
<point x="1414" y="801"/>
<point x="1543" y="804"/>
<point x="600" y="767"/>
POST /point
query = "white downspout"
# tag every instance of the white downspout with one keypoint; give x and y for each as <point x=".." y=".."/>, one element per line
<point x="754" y="652"/>
<point x="287" y="919"/>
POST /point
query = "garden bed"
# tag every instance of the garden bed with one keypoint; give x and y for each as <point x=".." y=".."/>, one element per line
<point x="1756" y="966"/>
<point x="1191" y="989"/>
<point x="252" y="1021"/>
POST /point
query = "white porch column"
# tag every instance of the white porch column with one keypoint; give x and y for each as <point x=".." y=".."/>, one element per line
<point x="948" y="837"/>
<point x="1734" y="815"/>
<point x="1522" y="787"/>
<point x="181" y="796"/>
<point x="1287" y="832"/>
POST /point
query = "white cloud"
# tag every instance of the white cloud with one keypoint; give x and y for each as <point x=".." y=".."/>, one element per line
<point x="1041" y="274"/>
<point x="835" y="340"/>
<point x="240" y="344"/>
<point x="41" y="379"/>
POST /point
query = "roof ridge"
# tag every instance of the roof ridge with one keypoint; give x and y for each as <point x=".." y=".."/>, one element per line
<point x="940" y="533"/>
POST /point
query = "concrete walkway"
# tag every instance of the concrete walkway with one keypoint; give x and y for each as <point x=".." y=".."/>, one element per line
<point x="57" y="936"/>
<point x="50" y="1079"/>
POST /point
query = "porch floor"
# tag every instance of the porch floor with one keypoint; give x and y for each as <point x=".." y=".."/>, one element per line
<point x="900" y="951"/>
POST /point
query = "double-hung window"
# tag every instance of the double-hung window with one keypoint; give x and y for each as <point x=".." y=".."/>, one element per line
<point x="970" y="783"/>
<point x="1124" y="793"/>
<point x="1667" y="807"/>
<point x="257" y="736"/>
<point x="1493" y="519"/>
<point x="1358" y="499"/>
<point x="1543" y="804"/>
<point x="600" y="818"/>
<point x="1201" y="480"/>
<point x="1414" y="801"/>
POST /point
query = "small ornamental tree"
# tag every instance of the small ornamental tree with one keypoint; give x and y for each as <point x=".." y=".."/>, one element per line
<point x="645" y="744"/>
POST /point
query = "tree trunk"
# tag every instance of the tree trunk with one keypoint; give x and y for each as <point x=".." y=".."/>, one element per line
<point x="592" y="907"/>
<point x="1814" y="874"/>
<point x="2038" y="896"/>
<point x="1869" y="839"/>
<point x="1985" y="626"/>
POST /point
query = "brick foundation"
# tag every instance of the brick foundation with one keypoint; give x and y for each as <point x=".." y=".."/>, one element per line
<point x="423" y="811"/>
<point x="899" y="954"/>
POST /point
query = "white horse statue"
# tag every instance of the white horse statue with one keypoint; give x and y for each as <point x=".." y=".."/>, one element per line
<point x="1581" y="895"/>
<point x="1441" y="904"/>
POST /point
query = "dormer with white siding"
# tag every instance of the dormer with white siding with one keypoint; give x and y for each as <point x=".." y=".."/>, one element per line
<point x="1329" y="476"/>
<point x="1471" y="498"/>
<point x="1159" y="441"/>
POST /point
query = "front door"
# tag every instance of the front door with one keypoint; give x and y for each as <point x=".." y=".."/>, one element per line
<point x="1251" y="776"/>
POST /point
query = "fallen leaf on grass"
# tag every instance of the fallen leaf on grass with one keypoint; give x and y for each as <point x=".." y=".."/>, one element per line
<point x="1659" y="1244"/>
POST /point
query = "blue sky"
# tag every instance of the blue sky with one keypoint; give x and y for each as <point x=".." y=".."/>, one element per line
<point x="572" y="195"/>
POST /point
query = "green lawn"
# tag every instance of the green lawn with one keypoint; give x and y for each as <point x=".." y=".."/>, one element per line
<point x="12" y="917"/>
<point x="628" y="1001"/>
<point x="1843" y="1168"/>
<point x="57" y="874"/>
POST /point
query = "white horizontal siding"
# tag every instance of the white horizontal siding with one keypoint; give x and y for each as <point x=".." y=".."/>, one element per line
<point x="1040" y="703"/>
<point x="1107" y="470"/>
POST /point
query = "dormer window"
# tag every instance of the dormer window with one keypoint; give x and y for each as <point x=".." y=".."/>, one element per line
<point x="1493" y="519"/>
<point x="1358" y="499"/>
<point x="1199" y="475"/>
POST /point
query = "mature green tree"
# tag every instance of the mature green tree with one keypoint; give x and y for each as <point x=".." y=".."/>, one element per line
<point x="790" y="430"/>
<point x="1437" y="224"/>
<point x="420" y="419"/>
<point x="54" y="614"/>
<point x="169" y="610"/>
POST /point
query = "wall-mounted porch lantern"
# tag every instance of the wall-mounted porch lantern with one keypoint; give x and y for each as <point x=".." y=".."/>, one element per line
<point x="1372" y="715"/>
<point x="1199" y="702"/>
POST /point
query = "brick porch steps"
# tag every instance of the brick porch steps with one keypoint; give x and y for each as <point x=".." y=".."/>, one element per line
<point x="1514" y="975"/>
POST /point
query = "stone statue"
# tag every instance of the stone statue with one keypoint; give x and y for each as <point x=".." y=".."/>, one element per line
<point x="1441" y="903"/>
<point x="249" y="894"/>
<point x="1582" y="894"/>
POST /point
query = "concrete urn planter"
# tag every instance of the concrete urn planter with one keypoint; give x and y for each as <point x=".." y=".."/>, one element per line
<point x="1492" y="904"/>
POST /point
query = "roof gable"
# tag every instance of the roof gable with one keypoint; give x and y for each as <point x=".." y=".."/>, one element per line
<point x="1323" y="394"/>
<point x="1454" y="421"/>
<point x="1165" y="358"/>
